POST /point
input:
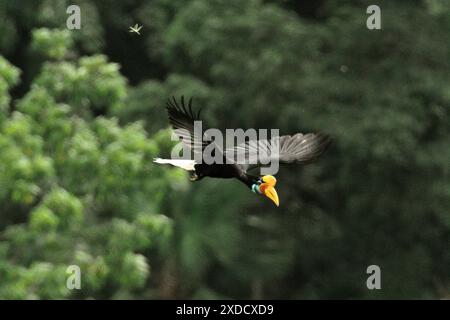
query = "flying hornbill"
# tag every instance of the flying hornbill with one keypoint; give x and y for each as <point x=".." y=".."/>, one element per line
<point x="298" y="148"/>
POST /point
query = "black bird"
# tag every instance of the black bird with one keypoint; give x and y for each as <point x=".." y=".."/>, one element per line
<point x="298" y="148"/>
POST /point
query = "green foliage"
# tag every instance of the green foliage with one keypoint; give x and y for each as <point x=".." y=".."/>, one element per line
<point x="156" y="94"/>
<point x="54" y="44"/>
<point x="43" y="219"/>
<point x="91" y="85"/>
<point x="9" y="76"/>
<point x="65" y="174"/>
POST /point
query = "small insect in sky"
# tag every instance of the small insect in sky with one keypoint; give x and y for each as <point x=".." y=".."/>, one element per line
<point x="136" y="28"/>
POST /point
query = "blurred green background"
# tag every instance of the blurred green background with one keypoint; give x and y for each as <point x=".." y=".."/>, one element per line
<point x="82" y="116"/>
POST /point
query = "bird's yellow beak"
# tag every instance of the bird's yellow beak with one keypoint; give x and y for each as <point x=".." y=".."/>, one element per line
<point x="267" y="188"/>
<point x="271" y="193"/>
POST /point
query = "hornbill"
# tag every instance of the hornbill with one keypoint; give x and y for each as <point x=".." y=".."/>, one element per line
<point x="298" y="148"/>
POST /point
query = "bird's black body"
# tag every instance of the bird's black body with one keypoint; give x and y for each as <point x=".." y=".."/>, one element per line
<point x="225" y="171"/>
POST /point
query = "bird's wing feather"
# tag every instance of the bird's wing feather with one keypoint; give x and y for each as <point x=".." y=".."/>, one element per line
<point x="298" y="148"/>
<point x="182" y="119"/>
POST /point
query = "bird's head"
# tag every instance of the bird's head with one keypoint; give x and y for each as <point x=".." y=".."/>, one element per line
<point x="265" y="185"/>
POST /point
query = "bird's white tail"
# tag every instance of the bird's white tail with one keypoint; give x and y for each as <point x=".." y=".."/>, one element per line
<point x="180" y="163"/>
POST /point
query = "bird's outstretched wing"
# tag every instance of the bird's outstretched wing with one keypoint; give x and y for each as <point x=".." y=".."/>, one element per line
<point x="182" y="119"/>
<point x="299" y="148"/>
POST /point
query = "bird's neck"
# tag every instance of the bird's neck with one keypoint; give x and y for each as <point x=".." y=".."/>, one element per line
<point x="247" y="179"/>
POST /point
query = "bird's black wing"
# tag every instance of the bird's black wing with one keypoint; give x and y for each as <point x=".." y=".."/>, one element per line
<point x="182" y="119"/>
<point x="299" y="148"/>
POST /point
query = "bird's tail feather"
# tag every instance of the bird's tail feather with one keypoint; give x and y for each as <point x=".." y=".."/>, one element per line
<point x="180" y="163"/>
